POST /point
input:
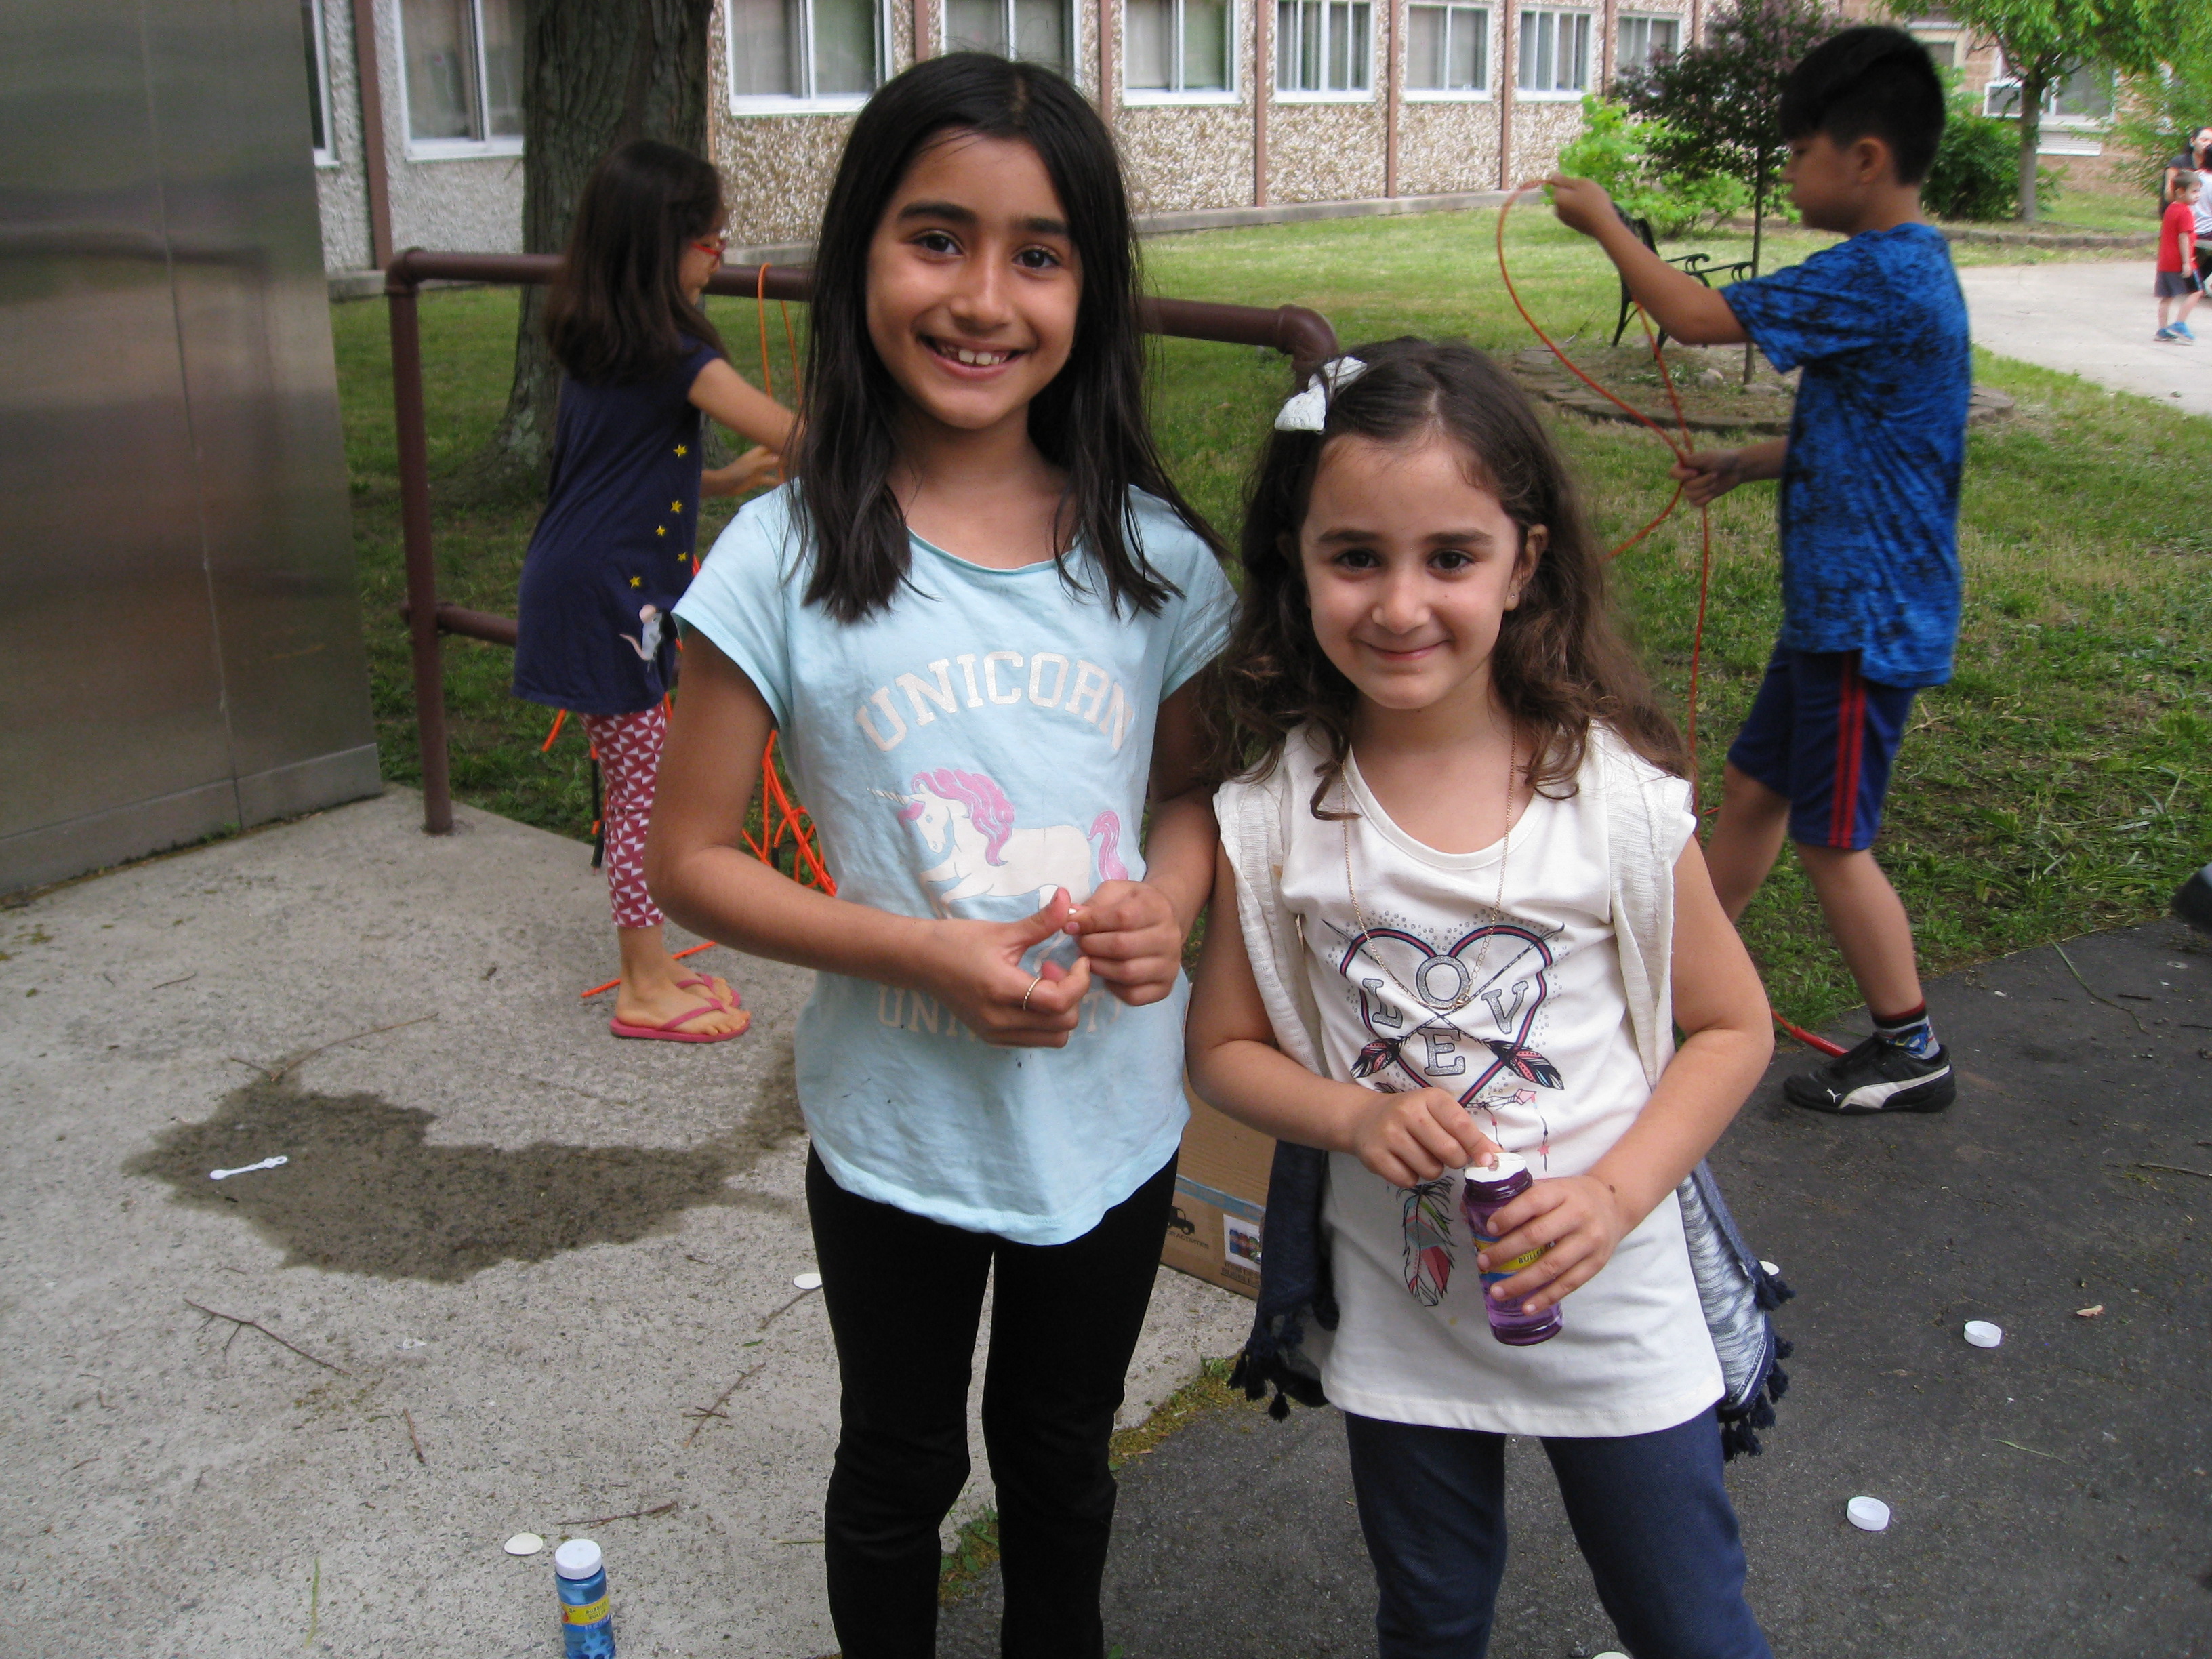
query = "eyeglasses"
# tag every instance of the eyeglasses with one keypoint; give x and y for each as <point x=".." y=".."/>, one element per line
<point x="715" y="243"/>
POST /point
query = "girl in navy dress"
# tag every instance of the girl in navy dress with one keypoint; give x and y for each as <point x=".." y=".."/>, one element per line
<point x="612" y="554"/>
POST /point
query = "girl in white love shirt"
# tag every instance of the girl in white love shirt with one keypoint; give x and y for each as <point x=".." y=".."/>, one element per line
<point x="1452" y="790"/>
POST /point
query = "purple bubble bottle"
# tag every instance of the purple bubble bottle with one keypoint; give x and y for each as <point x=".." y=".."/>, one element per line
<point x="1489" y="1190"/>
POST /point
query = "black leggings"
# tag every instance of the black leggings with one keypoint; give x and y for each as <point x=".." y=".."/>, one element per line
<point x="904" y="1296"/>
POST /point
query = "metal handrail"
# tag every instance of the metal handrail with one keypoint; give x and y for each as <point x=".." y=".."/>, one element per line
<point x="1303" y="336"/>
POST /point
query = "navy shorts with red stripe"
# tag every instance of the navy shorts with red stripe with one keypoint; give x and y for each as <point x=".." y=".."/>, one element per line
<point x="1824" y="735"/>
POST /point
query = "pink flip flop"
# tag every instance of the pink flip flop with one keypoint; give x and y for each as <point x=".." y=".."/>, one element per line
<point x="668" y="1032"/>
<point x="701" y="982"/>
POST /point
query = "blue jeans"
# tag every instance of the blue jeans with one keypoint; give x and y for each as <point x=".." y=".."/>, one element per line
<point x="1650" y="1510"/>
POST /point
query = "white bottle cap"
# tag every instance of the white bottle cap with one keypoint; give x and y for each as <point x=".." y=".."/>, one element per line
<point x="1868" y="1514"/>
<point x="1983" y="1334"/>
<point x="1509" y="1164"/>
<point x="577" y="1559"/>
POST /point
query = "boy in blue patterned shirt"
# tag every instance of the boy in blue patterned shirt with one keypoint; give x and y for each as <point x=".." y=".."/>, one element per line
<point x="1870" y="511"/>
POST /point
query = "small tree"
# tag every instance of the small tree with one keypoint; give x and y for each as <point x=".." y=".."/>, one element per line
<point x="1718" y="102"/>
<point x="593" y="77"/>
<point x="2043" y="41"/>
<point x="2161" y="111"/>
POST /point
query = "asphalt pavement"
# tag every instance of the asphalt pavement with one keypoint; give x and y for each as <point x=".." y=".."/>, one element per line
<point x="2049" y="1496"/>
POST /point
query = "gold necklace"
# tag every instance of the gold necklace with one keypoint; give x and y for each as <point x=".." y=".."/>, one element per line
<point x="1474" y="980"/>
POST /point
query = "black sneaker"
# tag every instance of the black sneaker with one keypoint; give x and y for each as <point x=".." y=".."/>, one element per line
<point x="1877" y="1076"/>
<point x="2193" y="903"/>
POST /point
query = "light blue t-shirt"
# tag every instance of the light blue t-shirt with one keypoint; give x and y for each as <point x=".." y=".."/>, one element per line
<point x="986" y="739"/>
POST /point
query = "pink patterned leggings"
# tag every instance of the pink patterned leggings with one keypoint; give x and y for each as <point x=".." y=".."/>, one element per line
<point x="629" y="748"/>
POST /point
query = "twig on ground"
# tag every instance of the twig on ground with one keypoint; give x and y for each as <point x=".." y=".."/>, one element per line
<point x="314" y="1603"/>
<point x="297" y="1061"/>
<point x="785" y="1308"/>
<point x="2099" y="996"/>
<point x="633" y="1515"/>
<point x="2032" y="1451"/>
<point x="82" y="1461"/>
<point x="179" y="980"/>
<point x="239" y="1325"/>
<point x="415" y="1438"/>
<point x="703" y="1412"/>
<point x="2175" y="1169"/>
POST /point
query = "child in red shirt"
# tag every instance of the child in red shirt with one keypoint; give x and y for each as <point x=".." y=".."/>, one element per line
<point x="2177" y="274"/>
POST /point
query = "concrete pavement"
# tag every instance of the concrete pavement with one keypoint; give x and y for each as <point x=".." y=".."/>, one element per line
<point x="561" y="1264"/>
<point x="2093" y="320"/>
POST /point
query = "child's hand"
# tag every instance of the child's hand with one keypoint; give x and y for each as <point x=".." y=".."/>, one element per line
<point x="1580" y="1219"/>
<point x="1132" y="939"/>
<point x="1581" y="205"/>
<point x="975" y="967"/>
<point x="756" y="469"/>
<point x="1708" y="475"/>
<point x="1412" y="1138"/>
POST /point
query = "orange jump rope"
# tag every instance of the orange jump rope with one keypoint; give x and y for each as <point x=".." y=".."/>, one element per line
<point x="1681" y="447"/>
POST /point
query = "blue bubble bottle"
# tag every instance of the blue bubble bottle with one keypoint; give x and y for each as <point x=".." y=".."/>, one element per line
<point x="588" y="1628"/>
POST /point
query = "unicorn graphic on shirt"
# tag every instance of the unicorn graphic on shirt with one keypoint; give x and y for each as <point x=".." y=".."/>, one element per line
<point x="967" y="823"/>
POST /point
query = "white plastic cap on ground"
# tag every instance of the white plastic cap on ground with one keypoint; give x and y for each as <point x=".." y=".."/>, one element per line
<point x="808" y="1281"/>
<point x="1868" y="1514"/>
<point x="578" y="1559"/>
<point x="525" y="1543"/>
<point x="1983" y="1334"/>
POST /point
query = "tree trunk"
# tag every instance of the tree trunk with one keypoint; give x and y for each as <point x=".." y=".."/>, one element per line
<point x="1758" y="225"/>
<point x="2034" y="77"/>
<point x="596" y="74"/>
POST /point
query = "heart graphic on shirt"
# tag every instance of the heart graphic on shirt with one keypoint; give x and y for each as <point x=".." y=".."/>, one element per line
<point x="1497" y="974"/>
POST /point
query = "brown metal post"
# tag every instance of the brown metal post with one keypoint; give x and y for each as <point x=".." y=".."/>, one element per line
<point x="421" y="570"/>
<point x="1610" y="20"/>
<point x="368" y="79"/>
<point x="920" y="30"/>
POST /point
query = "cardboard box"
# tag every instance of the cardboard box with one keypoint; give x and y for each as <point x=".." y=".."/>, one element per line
<point x="1220" y="1201"/>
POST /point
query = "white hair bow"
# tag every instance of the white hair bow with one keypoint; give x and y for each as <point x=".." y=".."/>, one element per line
<point x="1308" y="410"/>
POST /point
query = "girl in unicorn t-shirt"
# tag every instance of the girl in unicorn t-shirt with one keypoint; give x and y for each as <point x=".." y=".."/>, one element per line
<point x="972" y="618"/>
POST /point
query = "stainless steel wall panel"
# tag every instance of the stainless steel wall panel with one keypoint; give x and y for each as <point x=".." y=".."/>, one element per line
<point x="179" y="636"/>
<point x="253" y="317"/>
<point x="107" y="627"/>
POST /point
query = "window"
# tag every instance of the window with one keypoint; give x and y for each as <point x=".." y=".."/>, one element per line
<point x="1323" y="45"/>
<point x="1555" y="51"/>
<point x="826" y="54"/>
<point x="1178" y="46"/>
<point x="1447" y="49"/>
<point x="1036" y="31"/>
<point x="2083" y="98"/>
<point x="1945" y="52"/>
<point x="319" y="82"/>
<point x="464" y="74"/>
<point x="1645" y="41"/>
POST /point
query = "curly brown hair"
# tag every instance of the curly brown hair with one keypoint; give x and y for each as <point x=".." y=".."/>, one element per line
<point x="1559" y="664"/>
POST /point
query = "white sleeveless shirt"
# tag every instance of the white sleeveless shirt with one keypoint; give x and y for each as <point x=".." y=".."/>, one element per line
<point x="1519" y="1009"/>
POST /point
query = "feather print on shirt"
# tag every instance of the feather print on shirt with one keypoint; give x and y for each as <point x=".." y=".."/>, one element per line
<point x="1428" y="1240"/>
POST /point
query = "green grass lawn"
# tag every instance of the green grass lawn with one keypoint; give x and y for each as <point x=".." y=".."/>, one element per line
<point x="2058" y="784"/>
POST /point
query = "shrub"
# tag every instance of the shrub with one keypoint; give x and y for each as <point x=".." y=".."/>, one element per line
<point x="1976" y="174"/>
<point x="1614" y="150"/>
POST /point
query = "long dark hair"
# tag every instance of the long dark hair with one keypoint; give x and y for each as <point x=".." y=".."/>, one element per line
<point x="1559" y="663"/>
<point x="617" y="312"/>
<point x="1090" y="422"/>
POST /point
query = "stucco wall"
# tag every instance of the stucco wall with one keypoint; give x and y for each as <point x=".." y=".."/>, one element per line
<point x="343" y="191"/>
<point x="1447" y="147"/>
<point x="1182" y="157"/>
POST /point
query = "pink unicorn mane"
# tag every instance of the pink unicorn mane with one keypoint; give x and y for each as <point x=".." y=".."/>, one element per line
<point x="1106" y="830"/>
<point x="989" y="809"/>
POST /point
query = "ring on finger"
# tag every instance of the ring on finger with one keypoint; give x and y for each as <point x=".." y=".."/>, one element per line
<point x="1034" y="983"/>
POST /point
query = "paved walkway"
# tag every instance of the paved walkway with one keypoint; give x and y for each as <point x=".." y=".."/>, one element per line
<point x="2049" y="1496"/>
<point x="2093" y="320"/>
<point x="538" y="1252"/>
